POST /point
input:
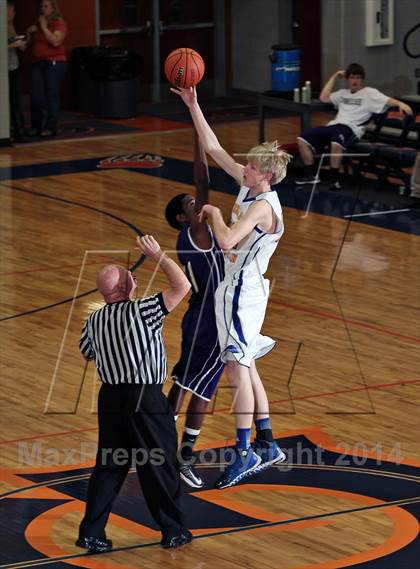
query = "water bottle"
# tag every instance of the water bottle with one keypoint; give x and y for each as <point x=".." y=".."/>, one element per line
<point x="309" y="89"/>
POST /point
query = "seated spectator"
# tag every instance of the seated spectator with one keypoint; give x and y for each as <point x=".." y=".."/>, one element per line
<point x="15" y="42"/>
<point x="356" y="105"/>
<point x="48" y="68"/>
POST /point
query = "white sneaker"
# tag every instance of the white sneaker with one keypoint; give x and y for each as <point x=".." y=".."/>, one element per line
<point x="189" y="476"/>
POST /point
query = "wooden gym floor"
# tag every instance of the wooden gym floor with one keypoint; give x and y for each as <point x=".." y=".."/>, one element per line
<point x="343" y="381"/>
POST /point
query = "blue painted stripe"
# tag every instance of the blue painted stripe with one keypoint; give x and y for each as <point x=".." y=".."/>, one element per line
<point x="324" y="202"/>
<point x="236" y="321"/>
<point x="172" y="169"/>
<point x="49" y="169"/>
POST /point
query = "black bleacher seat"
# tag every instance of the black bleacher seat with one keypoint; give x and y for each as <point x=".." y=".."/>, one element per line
<point x="390" y="129"/>
<point x="398" y="158"/>
<point x="390" y="147"/>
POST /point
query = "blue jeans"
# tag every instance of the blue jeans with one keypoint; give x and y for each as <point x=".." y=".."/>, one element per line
<point x="46" y="78"/>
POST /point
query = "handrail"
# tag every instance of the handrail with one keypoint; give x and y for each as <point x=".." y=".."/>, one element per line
<point x="162" y="27"/>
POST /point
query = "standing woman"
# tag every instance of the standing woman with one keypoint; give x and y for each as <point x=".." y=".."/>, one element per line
<point x="15" y="42"/>
<point x="48" y="68"/>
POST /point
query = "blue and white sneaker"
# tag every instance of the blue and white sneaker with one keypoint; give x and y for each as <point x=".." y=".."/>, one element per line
<point x="245" y="464"/>
<point x="269" y="452"/>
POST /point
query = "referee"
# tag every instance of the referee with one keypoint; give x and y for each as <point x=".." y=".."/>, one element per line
<point x="135" y="420"/>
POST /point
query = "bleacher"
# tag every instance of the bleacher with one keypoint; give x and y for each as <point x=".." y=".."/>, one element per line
<point x="391" y="144"/>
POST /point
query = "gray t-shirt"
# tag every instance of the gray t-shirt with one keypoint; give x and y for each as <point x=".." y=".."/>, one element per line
<point x="356" y="109"/>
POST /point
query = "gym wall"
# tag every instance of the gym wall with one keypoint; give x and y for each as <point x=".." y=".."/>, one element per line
<point x="343" y="40"/>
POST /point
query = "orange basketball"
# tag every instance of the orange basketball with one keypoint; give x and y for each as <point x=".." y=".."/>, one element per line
<point x="184" y="67"/>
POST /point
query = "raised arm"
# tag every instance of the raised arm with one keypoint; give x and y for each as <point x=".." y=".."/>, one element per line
<point x="199" y="229"/>
<point x="55" y="38"/>
<point x="207" y="137"/>
<point x="201" y="174"/>
<point x="179" y="285"/>
<point x="329" y="86"/>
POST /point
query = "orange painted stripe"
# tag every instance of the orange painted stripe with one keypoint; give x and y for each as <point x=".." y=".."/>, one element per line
<point x="39" y="535"/>
<point x="38" y="532"/>
<point x="314" y="434"/>
<point x="323" y="440"/>
<point x="42" y="493"/>
<point x="406" y="526"/>
<point x="224" y="500"/>
<point x="15" y="481"/>
<point x="406" y="529"/>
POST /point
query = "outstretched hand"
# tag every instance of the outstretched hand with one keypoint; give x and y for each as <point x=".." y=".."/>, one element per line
<point x="147" y="245"/>
<point x="189" y="96"/>
<point x="206" y="212"/>
<point x="406" y="109"/>
<point x="21" y="44"/>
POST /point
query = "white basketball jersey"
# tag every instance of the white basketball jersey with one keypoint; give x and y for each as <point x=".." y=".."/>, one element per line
<point x="252" y="254"/>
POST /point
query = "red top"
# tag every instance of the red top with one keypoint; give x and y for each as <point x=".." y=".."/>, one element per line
<point x="42" y="49"/>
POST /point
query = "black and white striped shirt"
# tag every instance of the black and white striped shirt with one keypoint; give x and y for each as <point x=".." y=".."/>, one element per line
<point x="125" y="340"/>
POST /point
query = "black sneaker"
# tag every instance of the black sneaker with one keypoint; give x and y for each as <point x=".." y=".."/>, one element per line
<point x="171" y="541"/>
<point x="312" y="179"/>
<point x="95" y="544"/>
<point x="336" y="186"/>
<point x="190" y="476"/>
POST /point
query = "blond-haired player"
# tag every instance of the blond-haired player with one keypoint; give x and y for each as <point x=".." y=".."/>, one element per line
<point x="241" y="298"/>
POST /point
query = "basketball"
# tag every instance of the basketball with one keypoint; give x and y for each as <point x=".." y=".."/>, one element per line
<point x="184" y="67"/>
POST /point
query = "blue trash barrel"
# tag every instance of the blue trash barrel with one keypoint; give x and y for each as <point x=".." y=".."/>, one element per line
<point x="285" y="67"/>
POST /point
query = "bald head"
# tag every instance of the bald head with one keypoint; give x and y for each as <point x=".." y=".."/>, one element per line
<point x="115" y="283"/>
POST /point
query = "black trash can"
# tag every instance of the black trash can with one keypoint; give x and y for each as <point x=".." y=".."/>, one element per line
<point x="87" y="87"/>
<point x="109" y="81"/>
<point x="117" y="72"/>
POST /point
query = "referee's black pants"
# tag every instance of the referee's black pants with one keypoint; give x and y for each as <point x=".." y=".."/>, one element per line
<point x="139" y="418"/>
